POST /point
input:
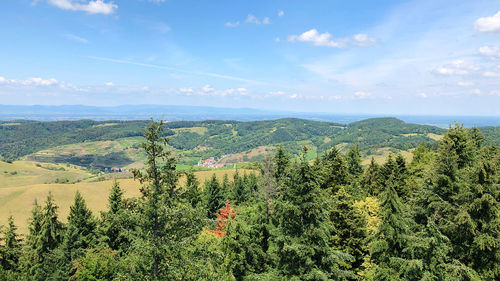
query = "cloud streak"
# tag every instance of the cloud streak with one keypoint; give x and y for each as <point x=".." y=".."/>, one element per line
<point x="200" y="73"/>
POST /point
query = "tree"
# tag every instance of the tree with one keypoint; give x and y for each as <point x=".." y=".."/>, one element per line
<point x="372" y="179"/>
<point x="304" y="247"/>
<point x="333" y="170"/>
<point x="349" y="229"/>
<point x="214" y="199"/>
<point x="240" y="192"/>
<point x="353" y="160"/>
<point x="281" y="162"/>
<point x="158" y="193"/>
<point x="192" y="191"/>
<point x="9" y="257"/>
<point x="81" y="229"/>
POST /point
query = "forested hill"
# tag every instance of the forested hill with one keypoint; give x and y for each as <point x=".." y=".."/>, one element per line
<point x="213" y="137"/>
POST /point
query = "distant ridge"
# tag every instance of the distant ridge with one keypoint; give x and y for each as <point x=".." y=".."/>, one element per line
<point x="199" y="113"/>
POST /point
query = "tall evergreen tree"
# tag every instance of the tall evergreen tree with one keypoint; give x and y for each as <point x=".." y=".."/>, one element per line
<point x="332" y="170"/>
<point x="353" y="161"/>
<point x="281" y="163"/>
<point x="159" y="181"/>
<point x="192" y="191"/>
<point x="81" y="229"/>
<point x="304" y="246"/>
<point x="214" y="199"/>
<point x="10" y="246"/>
<point x="372" y="181"/>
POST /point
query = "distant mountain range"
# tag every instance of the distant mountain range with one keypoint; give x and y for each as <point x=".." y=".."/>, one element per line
<point x="198" y="113"/>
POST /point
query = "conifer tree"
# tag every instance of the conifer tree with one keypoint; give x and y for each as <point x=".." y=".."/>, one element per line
<point x="372" y="179"/>
<point x="304" y="242"/>
<point x="117" y="222"/>
<point x="192" y="191"/>
<point x="240" y="192"/>
<point x="214" y="199"/>
<point x="349" y="229"/>
<point x="158" y="193"/>
<point x="332" y="170"/>
<point x="10" y="247"/>
<point x="281" y="163"/>
<point x="353" y="159"/>
<point x="81" y="229"/>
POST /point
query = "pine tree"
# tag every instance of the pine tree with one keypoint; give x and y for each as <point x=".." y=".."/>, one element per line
<point x="281" y="163"/>
<point x="333" y="170"/>
<point x="353" y="161"/>
<point x="9" y="256"/>
<point x="192" y="191"/>
<point x="371" y="181"/>
<point x="214" y="199"/>
<point x="117" y="222"/>
<point x="304" y="242"/>
<point x="349" y="229"/>
<point x="51" y="229"/>
<point x="158" y="194"/>
<point x="81" y="229"/>
<point x="240" y="192"/>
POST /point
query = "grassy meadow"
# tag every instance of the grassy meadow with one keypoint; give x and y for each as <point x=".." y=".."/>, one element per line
<point x="19" y="191"/>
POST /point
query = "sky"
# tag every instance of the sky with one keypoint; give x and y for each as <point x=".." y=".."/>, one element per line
<point x="425" y="57"/>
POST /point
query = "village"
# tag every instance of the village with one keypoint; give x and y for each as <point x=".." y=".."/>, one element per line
<point x="213" y="162"/>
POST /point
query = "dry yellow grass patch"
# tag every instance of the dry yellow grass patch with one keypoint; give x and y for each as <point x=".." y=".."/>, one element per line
<point x="18" y="200"/>
<point x="435" y="137"/>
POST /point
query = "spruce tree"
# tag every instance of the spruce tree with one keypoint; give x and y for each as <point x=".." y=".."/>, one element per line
<point x="304" y="246"/>
<point x="349" y="229"/>
<point x="281" y="163"/>
<point x="371" y="181"/>
<point x="159" y="181"/>
<point x="240" y="192"/>
<point x="81" y="229"/>
<point x="192" y="191"/>
<point x="11" y="244"/>
<point x="332" y="170"/>
<point x="117" y="222"/>
<point x="214" y="199"/>
<point x="353" y="161"/>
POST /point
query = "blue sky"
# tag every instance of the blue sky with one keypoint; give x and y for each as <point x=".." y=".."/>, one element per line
<point x="381" y="57"/>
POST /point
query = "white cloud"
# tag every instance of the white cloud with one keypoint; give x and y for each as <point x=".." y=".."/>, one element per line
<point x="3" y="80"/>
<point x="38" y="81"/>
<point x="293" y="96"/>
<point x="491" y="74"/>
<point x="476" y="92"/>
<point x="362" y="95"/>
<point x="326" y="39"/>
<point x="281" y="13"/>
<point x="363" y="39"/>
<point x="207" y="88"/>
<point x="277" y="93"/>
<point x="91" y="7"/>
<point x="457" y="67"/>
<point x="253" y="19"/>
<point x="232" y="24"/>
<point x="242" y="91"/>
<point x="76" y="38"/>
<point x="109" y="84"/>
<point x="423" y="95"/>
<point x="490" y="51"/>
<point x="318" y="39"/>
<point x="488" y="24"/>
<point x="465" y="83"/>
<point x="495" y="93"/>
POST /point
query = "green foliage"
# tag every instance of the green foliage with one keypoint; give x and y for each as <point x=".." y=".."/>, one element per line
<point x="213" y="196"/>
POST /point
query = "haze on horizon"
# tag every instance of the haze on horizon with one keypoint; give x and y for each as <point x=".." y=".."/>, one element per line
<point x="438" y="57"/>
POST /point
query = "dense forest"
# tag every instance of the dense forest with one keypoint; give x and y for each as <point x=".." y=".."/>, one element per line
<point x="435" y="218"/>
<point x="202" y="139"/>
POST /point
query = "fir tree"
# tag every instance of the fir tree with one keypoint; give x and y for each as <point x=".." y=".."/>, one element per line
<point x="192" y="191"/>
<point x="281" y="163"/>
<point x="11" y="244"/>
<point x="353" y="161"/>
<point x="333" y="170"/>
<point x="304" y="242"/>
<point x="158" y="193"/>
<point x="214" y="199"/>
<point x="81" y="229"/>
<point x="371" y="181"/>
